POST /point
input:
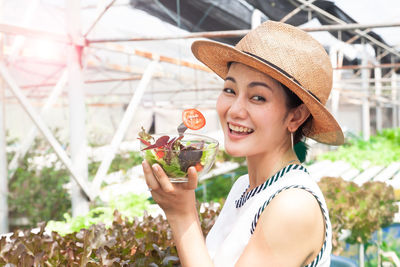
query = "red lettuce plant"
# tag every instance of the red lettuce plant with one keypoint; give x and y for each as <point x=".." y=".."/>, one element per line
<point x="142" y="242"/>
<point x="360" y="209"/>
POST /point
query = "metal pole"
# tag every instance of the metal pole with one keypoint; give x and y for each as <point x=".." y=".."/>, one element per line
<point x="361" y="255"/>
<point x="28" y="141"/>
<point x="77" y="111"/>
<point x="3" y="156"/>
<point x="256" y="18"/>
<point x="335" y="95"/>
<point x="32" y="113"/>
<point x="365" y="103"/>
<point x="378" y="93"/>
<point x="395" y="108"/>
<point x="379" y="245"/>
<point x="123" y="126"/>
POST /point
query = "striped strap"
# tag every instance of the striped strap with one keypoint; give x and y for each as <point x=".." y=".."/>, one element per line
<point x="324" y="212"/>
<point x="246" y="195"/>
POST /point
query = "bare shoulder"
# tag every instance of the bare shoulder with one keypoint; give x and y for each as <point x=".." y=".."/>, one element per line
<point x="294" y="205"/>
<point x="294" y="213"/>
<point x="290" y="231"/>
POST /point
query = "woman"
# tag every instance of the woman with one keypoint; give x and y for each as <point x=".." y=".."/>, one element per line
<point x="277" y="81"/>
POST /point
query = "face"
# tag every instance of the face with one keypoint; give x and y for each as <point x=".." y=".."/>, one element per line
<point x="252" y="112"/>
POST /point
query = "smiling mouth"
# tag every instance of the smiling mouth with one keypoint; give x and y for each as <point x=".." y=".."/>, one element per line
<point x="239" y="130"/>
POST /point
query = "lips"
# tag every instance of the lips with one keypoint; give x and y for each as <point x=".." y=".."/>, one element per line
<point x="239" y="129"/>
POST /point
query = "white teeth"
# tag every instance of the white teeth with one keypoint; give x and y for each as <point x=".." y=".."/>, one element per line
<point x="240" y="129"/>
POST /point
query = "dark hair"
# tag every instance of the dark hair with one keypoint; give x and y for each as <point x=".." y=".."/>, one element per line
<point x="293" y="101"/>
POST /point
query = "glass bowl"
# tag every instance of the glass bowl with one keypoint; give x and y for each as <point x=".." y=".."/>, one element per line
<point x="175" y="157"/>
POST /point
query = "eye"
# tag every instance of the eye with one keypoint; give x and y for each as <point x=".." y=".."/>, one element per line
<point x="228" y="91"/>
<point x="258" y="98"/>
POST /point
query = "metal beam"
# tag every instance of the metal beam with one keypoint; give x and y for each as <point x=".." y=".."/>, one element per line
<point x="30" y="138"/>
<point x="123" y="126"/>
<point x="98" y="18"/>
<point x="369" y="66"/>
<point x="32" y="113"/>
<point x="31" y="33"/>
<point x="357" y="30"/>
<point x="133" y="78"/>
<point x="150" y="55"/>
<point x="294" y="12"/>
<point x="238" y="33"/>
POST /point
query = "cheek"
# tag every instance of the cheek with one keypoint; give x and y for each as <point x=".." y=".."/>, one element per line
<point x="222" y="106"/>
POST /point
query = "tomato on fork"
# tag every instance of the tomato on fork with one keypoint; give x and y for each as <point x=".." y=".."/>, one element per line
<point x="193" y="119"/>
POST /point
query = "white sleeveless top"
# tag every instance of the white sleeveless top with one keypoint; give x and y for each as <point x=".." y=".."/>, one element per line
<point x="238" y="218"/>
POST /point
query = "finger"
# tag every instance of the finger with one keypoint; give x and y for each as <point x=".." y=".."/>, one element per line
<point x="192" y="178"/>
<point x="162" y="178"/>
<point x="151" y="181"/>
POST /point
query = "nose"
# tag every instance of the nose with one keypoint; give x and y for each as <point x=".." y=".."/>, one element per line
<point x="238" y="109"/>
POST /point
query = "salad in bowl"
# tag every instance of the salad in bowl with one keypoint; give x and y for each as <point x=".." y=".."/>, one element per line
<point x="175" y="153"/>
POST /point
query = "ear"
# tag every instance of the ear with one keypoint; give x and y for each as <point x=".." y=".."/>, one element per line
<point x="297" y="117"/>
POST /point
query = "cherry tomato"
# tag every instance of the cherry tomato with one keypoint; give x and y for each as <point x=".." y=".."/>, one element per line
<point x="198" y="167"/>
<point x="160" y="153"/>
<point x="193" y="119"/>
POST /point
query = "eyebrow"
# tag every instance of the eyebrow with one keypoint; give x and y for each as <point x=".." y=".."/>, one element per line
<point x="252" y="84"/>
<point x="230" y="79"/>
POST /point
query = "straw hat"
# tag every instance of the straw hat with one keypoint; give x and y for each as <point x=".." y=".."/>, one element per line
<point x="290" y="56"/>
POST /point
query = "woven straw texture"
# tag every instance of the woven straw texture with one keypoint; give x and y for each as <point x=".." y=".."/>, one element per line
<point x="290" y="56"/>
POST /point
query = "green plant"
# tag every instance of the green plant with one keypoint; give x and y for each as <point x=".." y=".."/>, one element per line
<point x="129" y="205"/>
<point x="217" y="188"/>
<point x="222" y="156"/>
<point x="381" y="149"/>
<point x="38" y="195"/>
<point x="122" y="161"/>
<point x="360" y="209"/>
<point x="390" y="243"/>
<point x="37" y="189"/>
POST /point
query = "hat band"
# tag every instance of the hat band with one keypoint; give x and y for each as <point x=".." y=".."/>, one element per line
<point x="284" y="72"/>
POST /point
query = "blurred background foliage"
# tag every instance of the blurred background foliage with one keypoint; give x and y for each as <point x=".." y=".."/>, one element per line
<point x="381" y="149"/>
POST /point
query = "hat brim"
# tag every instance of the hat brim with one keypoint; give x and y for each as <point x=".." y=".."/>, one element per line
<point x="323" y="128"/>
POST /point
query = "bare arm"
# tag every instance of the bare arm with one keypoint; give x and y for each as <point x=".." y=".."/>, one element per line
<point x="290" y="232"/>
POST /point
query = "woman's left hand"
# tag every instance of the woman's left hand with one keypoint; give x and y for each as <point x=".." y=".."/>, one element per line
<point x="176" y="199"/>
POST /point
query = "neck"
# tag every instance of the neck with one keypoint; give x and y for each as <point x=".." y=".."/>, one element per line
<point x="262" y="167"/>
